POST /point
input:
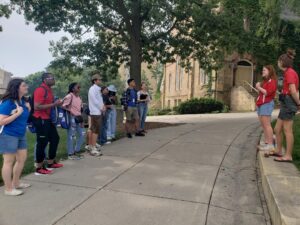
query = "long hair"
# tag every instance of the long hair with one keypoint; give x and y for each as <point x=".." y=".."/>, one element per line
<point x="71" y="87"/>
<point x="272" y="72"/>
<point x="12" y="91"/>
<point x="287" y="59"/>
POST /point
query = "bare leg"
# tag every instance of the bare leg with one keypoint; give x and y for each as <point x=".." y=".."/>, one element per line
<point x="93" y="139"/>
<point x="7" y="169"/>
<point x="288" y="131"/>
<point x="268" y="131"/>
<point x="278" y="133"/>
<point x="19" y="165"/>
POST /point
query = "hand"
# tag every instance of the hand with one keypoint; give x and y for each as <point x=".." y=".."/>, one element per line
<point x="19" y="110"/>
<point x="27" y="104"/>
<point x="58" y="102"/>
<point x="257" y="85"/>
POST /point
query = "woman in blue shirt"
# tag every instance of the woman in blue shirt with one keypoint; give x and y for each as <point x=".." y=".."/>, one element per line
<point x="14" y="112"/>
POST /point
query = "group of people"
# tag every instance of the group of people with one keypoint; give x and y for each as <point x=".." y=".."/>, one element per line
<point x="289" y="105"/>
<point x="16" y="110"/>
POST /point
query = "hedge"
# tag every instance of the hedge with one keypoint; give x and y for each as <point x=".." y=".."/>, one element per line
<point x="200" y="105"/>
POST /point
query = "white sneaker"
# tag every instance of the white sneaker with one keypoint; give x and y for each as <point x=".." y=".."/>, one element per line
<point x="95" y="152"/>
<point x="88" y="148"/>
<point x="108" y="143"/>
<point x="23" y="186"/>
<point x="99" y="147"/>
<point x="267" y="148"/>
<point x="13" y="192"/>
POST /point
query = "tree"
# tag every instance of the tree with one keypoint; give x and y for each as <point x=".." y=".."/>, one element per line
<point x="111" y="32"/>
<point x="5" y="11"/>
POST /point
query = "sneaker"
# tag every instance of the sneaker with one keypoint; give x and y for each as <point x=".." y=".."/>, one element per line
<point x="42" y="171"/>
<point x="109" y="138"/>
<point x="267" y="148"/>
<point x="99" y="147"/>
<point x="108" y="143"/>
<point x="72" y="157"/>
<point x="87" y="147"/>
<point x="95" y="152"/>
<point x="129" y="135"/>
<point x="13" y="192"/>
<point x="78" y="155"/>
<point x="140" y="134"/>
<point x="23" y="186"/>
<point x="55" y="165"/>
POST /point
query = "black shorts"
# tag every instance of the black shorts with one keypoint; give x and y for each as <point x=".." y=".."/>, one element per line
<point x="288" y="108"/>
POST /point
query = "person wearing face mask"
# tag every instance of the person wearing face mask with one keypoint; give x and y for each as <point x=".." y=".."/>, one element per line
<point x="265" y="104"/>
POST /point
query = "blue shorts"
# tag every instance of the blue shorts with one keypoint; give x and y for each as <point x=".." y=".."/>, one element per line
<point x="10" y="144"/>
<point x="265" y="109"/>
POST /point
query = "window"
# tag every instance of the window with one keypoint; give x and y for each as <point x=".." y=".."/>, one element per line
<point x="203" y="77"/>
<point x="181" y="74"/>
<point x="179" y="101"/>
<point x="175" y="102"/>
<point x="169" y="103"/>
<point x="170" y="81"/>
<point x="177" y="85"/>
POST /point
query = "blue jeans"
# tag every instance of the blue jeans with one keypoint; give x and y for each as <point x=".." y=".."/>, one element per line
<point x="111" y="123"/>
<point x="75" y="136"/>
<point x="103" y="129"/>
<point x="143" y="109"/>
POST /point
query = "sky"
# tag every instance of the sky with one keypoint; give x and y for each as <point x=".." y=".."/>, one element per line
<point x="23" y="50"/>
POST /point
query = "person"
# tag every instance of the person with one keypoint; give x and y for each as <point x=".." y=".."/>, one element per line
<point x="97" y="109"/>
<point x="73" y="103"/>
<point x="107" y="104"/>
<point x="131" y="111"/>
<point x="143" y="101"/>
<point x="112" y="114"/>
<point x="46" y="131"/>
<point x="14" y="112"/>
<point x="289" y="105"/>
<point x="265" y="104"/>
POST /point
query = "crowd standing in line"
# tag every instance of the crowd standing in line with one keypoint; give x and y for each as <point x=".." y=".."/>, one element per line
<point x="18" y="111"/>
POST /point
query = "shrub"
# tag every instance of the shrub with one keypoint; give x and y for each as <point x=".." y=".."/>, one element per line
<point x="200" y="105"/>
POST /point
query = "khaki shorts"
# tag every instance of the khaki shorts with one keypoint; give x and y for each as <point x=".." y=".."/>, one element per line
<point x="132" y="114"/>
<point x="96" y="122"/>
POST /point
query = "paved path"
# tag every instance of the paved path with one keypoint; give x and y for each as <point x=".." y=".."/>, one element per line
<point x="202" y="172"/>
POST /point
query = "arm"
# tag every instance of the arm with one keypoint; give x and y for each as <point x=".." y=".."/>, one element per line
<point x="294" y="93"/>
<point x="6" y="119"/>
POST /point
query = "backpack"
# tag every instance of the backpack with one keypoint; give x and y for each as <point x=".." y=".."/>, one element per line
<point x="64" y="116"/>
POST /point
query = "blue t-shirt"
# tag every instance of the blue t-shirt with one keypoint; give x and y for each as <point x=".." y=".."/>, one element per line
<point x="16" y="128"/>
<point x="132" y="98"/>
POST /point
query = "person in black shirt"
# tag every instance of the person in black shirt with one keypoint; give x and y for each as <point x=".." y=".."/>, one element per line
<point x="108" y="104"/>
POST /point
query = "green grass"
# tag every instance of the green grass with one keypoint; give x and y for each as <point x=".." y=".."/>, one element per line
<point x="296" y="150"/>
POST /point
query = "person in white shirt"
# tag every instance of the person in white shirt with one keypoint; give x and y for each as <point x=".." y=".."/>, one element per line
<point x="96" y="108"/>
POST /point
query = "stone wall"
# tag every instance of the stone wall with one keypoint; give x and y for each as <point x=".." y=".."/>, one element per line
<point x="241" y="100"/>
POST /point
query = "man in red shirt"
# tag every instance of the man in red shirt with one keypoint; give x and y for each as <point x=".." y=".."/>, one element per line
<point x="46" y="131"/>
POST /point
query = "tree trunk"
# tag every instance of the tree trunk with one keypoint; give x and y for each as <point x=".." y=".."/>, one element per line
<point x="136" y="61"/>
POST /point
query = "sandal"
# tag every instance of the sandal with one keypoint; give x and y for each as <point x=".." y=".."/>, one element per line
<point x="282" y="159"/>
<point x="272" y="153"/>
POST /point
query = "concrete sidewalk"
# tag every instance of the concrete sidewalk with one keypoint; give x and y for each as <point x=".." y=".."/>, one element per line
<point x="202" y="172"/>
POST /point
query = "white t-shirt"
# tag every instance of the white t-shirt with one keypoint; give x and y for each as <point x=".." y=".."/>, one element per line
<point x="95" y="100"/>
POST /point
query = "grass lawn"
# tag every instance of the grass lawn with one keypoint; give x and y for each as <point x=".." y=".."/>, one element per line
<point x="296" y="151"/>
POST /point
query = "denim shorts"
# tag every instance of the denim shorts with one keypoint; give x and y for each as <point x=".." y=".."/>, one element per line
<point x="10" y="144"/>
<point x="265" y="109"/>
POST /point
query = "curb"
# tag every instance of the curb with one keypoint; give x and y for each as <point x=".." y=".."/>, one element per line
<point x="281" y="187"/>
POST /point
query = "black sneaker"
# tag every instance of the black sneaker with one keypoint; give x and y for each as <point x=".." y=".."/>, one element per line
<point x="140" y="134"/>
<point x="129" y="135"/>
